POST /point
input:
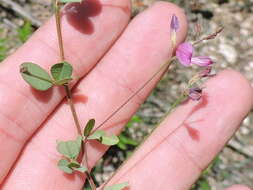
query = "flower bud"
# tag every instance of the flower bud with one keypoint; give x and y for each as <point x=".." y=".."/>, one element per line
<point x="205" y="72"/>
<point x="195" y="93"/>
<point x="174" y="26"/>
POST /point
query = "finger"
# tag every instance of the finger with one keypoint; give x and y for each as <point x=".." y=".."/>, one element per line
<point x="139" y="52"/>
<point x="22" y="110"/>
<point x="188" y="140"/>
<point x="238" y="187"/>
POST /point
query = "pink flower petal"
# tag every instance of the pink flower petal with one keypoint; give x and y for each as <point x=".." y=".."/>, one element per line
<point x="202" y="61"/>
<point x="184" y="53"/>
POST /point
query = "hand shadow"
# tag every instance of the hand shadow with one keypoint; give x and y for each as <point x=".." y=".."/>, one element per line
<point x="78" y="15"/>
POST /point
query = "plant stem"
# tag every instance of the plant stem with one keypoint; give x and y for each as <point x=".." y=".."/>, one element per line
<point x="58" y="28"/>
<point x="69" y="95"/>
<point x="72" y="108"/>
<point x="164" y="67"/>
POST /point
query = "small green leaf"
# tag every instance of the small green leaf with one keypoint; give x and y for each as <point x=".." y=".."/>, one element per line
<point x="124" y="139"/>
<point x="101" y="136"/>
<point x="61" y="72"/>
<point x="81" y="169"/>
<point x="89" y="126"/>
<point x="122" y="145"/>
<point x="73" y="165"/>
<point x="36" y="76"/>
<point x="70" y="1"/>
<point x="63" y="165"/>
<point x="70" y="149"/>
<point x="97" y="135"/>
<point x="110" y="140"/>
<point x="120" y="186"/>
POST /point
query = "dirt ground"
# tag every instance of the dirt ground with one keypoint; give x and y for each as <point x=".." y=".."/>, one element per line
<point x="232" y="49"/>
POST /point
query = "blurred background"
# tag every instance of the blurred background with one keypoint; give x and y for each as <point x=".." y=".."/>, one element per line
<point x="232" y="49"/>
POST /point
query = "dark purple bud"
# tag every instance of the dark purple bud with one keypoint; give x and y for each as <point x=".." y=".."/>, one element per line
<point x="195" y="93"/>
<point x="174" y="25"/>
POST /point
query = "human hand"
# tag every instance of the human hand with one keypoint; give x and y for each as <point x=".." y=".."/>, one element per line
<point x="172" y="158"/>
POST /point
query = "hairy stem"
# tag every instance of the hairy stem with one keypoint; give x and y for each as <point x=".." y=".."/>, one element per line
<point x="69" y="95"/>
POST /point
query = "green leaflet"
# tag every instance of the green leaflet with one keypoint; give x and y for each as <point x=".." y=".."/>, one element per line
<point x="89" y="126"/>
<point x="97" y="135"/>
<point x="120" y="186"/>
<point x="61" y="72"/>
<point x="70" y="149"/>
<point x="69" y="167"/>
<point x="81" y="169"/>
<point x="105" y="139"/>
<point x="36" y="76"/>
<point x="64" y="166"/>
<point x="110" y="140"/>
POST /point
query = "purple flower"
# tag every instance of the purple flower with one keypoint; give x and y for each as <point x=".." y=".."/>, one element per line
<point x="195" y="93"/>
<point x="174" y="25"/>
<point x="184" y="54"/>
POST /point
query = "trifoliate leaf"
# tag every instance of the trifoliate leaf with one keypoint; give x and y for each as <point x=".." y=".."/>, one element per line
<point x="110" y="140"/>
<point x="89" y="126"/>
<point x="36" y="76"/>
<point x="97" y="135"/>
<point x="61" y="72"/>
<point x="63" y="165"/>
<point x="70" y="149"/>
<point x="70" y="1"/>
<point x="120" y="186"/>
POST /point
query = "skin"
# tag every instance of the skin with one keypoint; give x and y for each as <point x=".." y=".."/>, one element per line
<point x="174" y="155"/>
